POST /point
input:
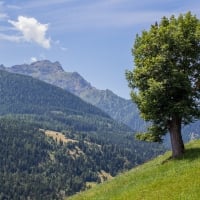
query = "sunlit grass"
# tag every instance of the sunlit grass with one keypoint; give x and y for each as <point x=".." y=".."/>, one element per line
<point x="159" y="179"/>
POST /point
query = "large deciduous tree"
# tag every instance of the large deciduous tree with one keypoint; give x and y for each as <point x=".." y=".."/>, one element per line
<point x="165" y="81"/>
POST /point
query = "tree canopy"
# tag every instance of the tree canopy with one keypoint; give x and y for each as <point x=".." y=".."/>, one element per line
<point x="165" y="81"/>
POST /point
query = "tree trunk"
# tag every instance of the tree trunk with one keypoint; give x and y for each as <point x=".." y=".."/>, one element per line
<point x="176" y="137"/>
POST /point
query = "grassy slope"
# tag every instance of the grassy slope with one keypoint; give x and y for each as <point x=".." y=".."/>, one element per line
<point x="158" y="179"/>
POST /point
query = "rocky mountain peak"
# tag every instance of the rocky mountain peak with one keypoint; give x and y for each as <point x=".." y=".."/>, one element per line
<point x="42" y="67"/>
<point x="47" y="66"/>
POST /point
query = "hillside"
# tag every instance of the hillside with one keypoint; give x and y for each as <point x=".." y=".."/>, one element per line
<point x="54" y="133"/>
<point x="118" y="108"/>
<point x="17" y="92"/>
<point x="160" y="178"/>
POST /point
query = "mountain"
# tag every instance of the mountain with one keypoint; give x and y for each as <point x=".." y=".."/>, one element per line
<point x="120" y="109"/>
<point x="2" y="67"/>
<point x="21" y="92"/>
<point x="62" y="144"/>
<point x="161" y="178"/>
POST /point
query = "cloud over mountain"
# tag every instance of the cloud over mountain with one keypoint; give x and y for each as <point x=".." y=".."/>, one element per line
<point x="32" y="31"/>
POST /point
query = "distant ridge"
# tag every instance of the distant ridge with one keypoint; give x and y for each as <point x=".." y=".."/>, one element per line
<point x="118" y="108"/>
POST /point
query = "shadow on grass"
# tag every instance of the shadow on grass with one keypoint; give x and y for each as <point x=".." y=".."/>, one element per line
<point x="191" y="154"/>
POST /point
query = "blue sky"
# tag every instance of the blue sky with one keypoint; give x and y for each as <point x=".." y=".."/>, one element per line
<point x="92" y="37"/>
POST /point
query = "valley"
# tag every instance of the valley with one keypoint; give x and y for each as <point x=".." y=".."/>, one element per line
<point x="53" y="138"/>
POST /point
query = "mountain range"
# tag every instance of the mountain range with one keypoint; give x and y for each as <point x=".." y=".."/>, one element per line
<point x="118" y="108"/>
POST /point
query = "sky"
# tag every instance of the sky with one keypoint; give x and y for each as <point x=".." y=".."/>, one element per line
<point x="91" y="37"/>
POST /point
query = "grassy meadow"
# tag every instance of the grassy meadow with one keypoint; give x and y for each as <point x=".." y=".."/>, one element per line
<point x="159" y="179"/>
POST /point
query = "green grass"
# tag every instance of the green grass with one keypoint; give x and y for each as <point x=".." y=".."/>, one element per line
<point x="159" y="179"/>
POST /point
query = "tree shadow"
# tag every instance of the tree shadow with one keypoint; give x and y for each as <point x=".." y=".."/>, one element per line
<point x="191" y="154"/>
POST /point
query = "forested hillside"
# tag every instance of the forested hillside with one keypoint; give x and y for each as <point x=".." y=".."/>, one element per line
<point x="23" y="94"/>
<point x="41" y="166"/>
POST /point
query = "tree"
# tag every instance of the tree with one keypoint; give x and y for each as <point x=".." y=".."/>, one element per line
<point x="165" y="81"/>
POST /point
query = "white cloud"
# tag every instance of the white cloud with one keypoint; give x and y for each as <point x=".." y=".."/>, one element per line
<point x="32" y="30"/>
<point x="63" y="48"/>
<point x="10" y="38"/>
<point x="58" y="44"/>
<point x="104" y="14"/>
<point x="94" y="14"/>
<point x="33" y="59"/>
